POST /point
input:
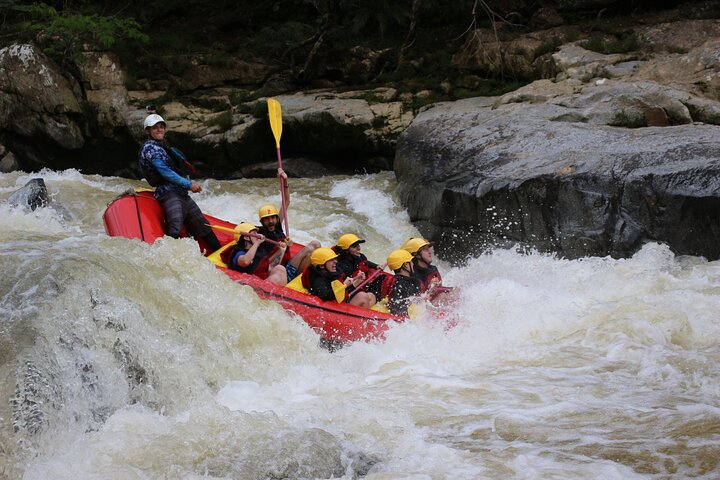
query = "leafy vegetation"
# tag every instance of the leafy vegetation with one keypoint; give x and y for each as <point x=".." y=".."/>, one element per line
<point x="624" y="43"/>
<point x="547" y="46"/>
<point x="64" y="34"/>
<point x="309" y="40"/>
<point x="629" y="120"/>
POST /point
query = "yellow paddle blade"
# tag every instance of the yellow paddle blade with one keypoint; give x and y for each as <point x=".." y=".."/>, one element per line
<point x="275" y="114"/>
<point x="339" y="290"/>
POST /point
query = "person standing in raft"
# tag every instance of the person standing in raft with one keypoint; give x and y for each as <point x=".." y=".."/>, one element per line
<point x="244" y="256"/>
<point x="352" y="262"/>
<point x="428" y="274"/>
<point x="405" y="288"/>
<point x="272" y="228"/>
<point x="170" y="178"/>
<point x="323" y="280"/>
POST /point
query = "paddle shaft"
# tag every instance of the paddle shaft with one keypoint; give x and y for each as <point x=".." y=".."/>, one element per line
<point x="369" y="279"/>
<point x="249" y="234"/>
<point x="282" y="195"/>
<point x="257" y="235"/>
<point x="275" y="116"/>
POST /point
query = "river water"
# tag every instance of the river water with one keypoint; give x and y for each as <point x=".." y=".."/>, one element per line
<point x="121" y="360"/>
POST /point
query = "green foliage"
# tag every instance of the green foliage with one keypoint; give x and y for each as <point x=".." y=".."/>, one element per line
<point x="279" y="39"/>
<point x="547" y="46"/>
<point x="624" y="43"/>
<point x="370" y="97"/>
<point x="216" y="103"/>
<point x="370" y="16"/>
<point x="65" y="34"/>
<point x="238" y="97"/>
<point x="629" y="120"/>
<point x="257" y="109"/>
<point x="415" y="103"/>
<point x="487" y="88"/>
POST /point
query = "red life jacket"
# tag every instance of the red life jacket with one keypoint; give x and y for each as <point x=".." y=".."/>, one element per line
<point x="261" y="270"/>
<point x="226" y="255"/>
<point x="429" y="281"/>
<point x="386" y="286"/>
<point x="305" y="278"/>
<point x="363" y="267"/>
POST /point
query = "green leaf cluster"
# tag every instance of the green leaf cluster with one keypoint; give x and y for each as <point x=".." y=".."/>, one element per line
<point x="65" y="33"/>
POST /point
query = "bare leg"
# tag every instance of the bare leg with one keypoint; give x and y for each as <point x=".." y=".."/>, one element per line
<point x="278" y="275"/>
<point x="302" y="258"/>
<point x="363" y="299"/>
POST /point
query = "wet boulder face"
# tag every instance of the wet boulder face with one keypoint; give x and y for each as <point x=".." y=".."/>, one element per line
<point x="31" y="196"/>
<point x="578" y="172"/>
<point x="35" y="99"/>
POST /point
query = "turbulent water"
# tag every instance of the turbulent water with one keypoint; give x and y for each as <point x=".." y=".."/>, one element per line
<point x="121" y="360"/>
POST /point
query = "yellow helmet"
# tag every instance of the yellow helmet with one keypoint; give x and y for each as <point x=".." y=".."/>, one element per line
<point x="267" y="211"/>
<point x="347" y="240"/>
<point x="245" y="227"/>
<point x="415" y="244"/>
<point x="398" y="258"/>
<point x="321" y="255"/>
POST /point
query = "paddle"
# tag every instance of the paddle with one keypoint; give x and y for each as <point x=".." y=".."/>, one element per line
<point x="369" y="279"/>
<point x="248" y="234"/>
<point x="275" y="115"/>
<point x="339" y="290"/>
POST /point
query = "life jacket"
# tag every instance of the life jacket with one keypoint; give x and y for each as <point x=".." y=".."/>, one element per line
<point x="307" y="275"/>
<point x="259" y="266"/>
<point x="357" y="264"/>
<point x="363" y="266"/>
<point x="220" y="257"/>
<point x="267" y="249"/>
<point x="427" y="276"/>
<point x="178" y="163"/>
<point x="386" y="286"/>
<point x="305" y="278"/>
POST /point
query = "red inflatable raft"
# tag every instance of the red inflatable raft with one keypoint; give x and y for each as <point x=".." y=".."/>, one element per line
<point x="139" y="215"/>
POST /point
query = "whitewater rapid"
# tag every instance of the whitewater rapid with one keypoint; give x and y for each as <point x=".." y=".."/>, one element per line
<point x="122" y="360"/>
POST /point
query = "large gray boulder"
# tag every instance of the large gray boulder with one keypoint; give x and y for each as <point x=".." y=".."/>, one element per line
<point x="563" y="172"/>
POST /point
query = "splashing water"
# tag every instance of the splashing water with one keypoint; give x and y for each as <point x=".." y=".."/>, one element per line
<point x="122" y="360"/>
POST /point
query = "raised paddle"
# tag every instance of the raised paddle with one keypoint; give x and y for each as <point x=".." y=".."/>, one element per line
<point x="275" y="115"/>
<point x="248" y="234"/>
<point x="369" y="279"/>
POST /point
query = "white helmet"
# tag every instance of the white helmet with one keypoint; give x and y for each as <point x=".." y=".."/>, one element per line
<point x="152" y="119"/>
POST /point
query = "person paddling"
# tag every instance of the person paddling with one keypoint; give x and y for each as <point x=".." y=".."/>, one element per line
<point x="425" y="271"/>
<point x="351" y="261"/>
<point x="245" y="258"/>
<point x="271" y="228"/>
<point x="323" y="280"/>
<point x="405" y="288"/>
<point x="170" y="178"/>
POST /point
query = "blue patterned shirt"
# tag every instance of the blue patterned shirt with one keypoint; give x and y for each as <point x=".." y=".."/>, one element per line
<point x="152" y="153"/>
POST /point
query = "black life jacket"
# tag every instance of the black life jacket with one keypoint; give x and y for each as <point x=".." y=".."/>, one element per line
<point x="351" y="265"/>
<point x="307" y="276"/>
<point x="178" y="163"/>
